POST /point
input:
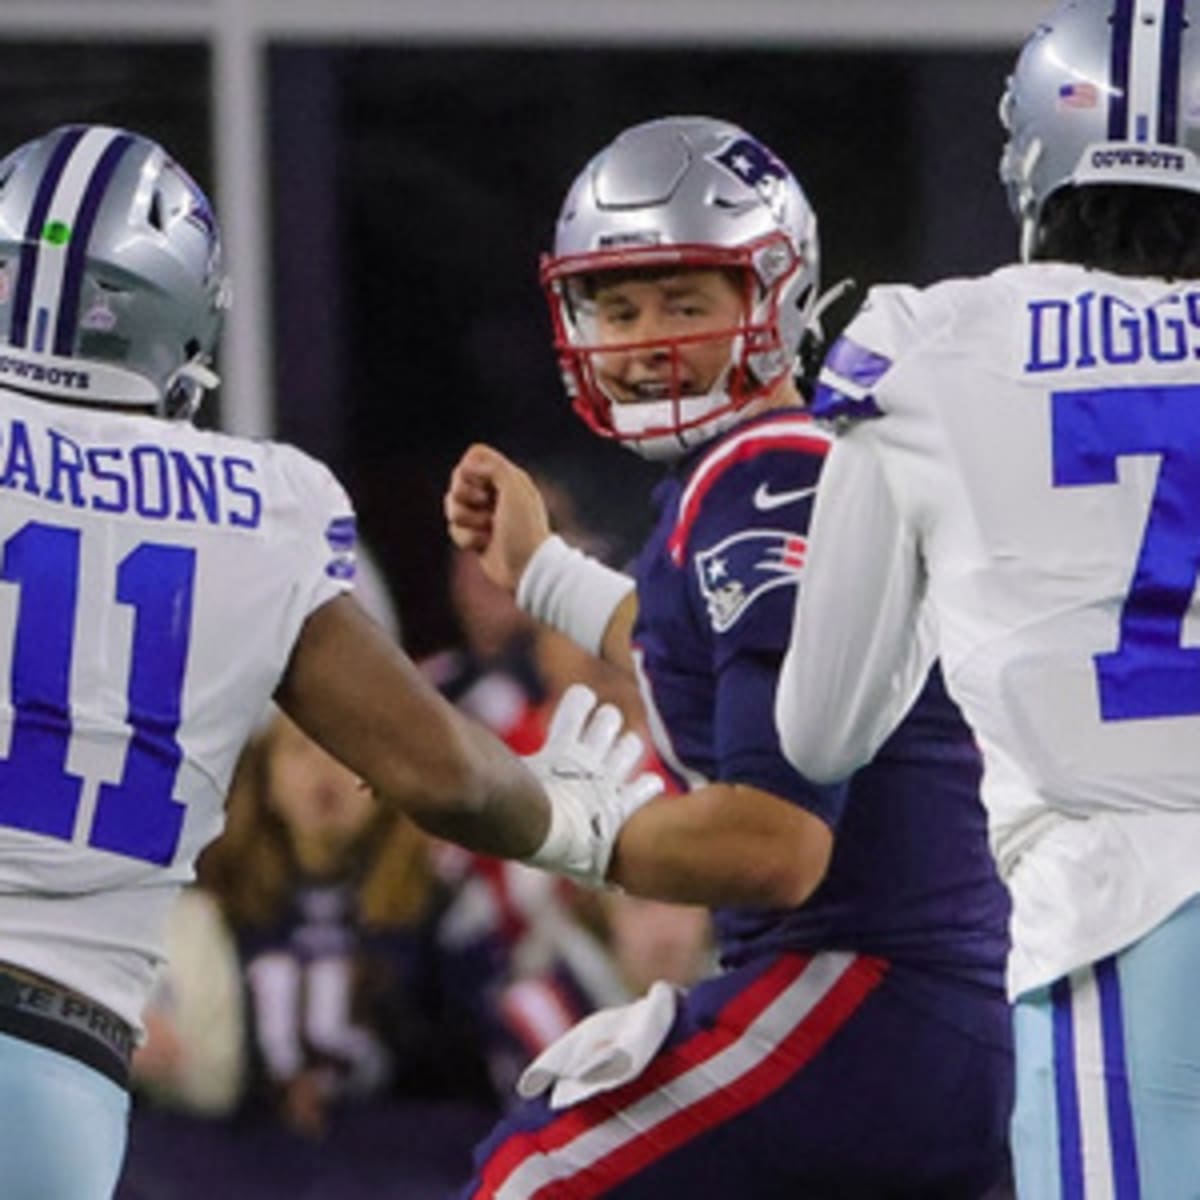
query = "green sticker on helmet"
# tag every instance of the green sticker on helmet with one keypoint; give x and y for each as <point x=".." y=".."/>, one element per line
<point x="57" y="233"/>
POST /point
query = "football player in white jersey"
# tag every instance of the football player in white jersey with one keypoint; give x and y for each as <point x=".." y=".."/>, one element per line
<point x="1017" y="491"/>
<point x="158" y="585"/>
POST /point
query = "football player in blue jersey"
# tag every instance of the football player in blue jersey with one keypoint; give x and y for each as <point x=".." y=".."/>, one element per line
<point x="1017" y="491"/>
<point x="857" y="1042"/>
<point x="158" y="584"/>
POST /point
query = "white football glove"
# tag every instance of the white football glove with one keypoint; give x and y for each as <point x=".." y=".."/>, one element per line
<point x="587" y="768"/>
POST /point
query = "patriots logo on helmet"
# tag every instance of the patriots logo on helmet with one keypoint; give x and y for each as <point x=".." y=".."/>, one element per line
<point x="738" y="570"/>
<point x="751" y="163"/>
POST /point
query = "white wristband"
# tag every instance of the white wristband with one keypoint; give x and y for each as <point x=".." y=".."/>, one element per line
<point x="572" y="592"/>
<point x="574" y="846"/>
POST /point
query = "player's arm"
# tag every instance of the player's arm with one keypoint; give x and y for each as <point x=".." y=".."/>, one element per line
<point x="758" y="835"/>
<point x="359" y="695"/>
<point x="860" y="646"/>
<point x="617" y="644"/>
<point x="493" y="509"/>
<point x="723" y="844"/>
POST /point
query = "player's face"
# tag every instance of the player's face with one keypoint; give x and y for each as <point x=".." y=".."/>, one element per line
<point x="672" y="334"/>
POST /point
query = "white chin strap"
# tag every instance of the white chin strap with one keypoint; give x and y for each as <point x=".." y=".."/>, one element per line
<point x="648" y="427"/>
<point x="198" y="372"/>
<point x="186" y="387"/>
<point x="822" y="303"/>
<point x="1028" y="242"/>
<point x="1020" y="174"/>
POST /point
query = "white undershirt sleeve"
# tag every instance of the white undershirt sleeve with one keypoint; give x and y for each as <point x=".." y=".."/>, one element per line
<point x="861" y="644"/>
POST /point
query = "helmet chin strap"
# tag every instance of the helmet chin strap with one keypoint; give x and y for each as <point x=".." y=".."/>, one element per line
<point x="1022" y="176"/>
<point x="661" y="416"/>
<point x="186" y="387"/>
<point x="650" y="428"/>
<point x="825" y="301"/>
<point x="1029" y="228"/>
<point x="199" y="372"/>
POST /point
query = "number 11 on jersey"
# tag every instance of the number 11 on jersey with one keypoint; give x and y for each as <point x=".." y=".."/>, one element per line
<point x="137" y="816"/>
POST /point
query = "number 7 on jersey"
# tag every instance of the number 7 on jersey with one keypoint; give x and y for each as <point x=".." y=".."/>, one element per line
<point x="1151" y="673"/>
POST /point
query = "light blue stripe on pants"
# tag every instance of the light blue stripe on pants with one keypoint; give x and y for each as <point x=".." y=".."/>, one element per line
<point x="63" y="1126"/>
<point x="1108" y="1075"/>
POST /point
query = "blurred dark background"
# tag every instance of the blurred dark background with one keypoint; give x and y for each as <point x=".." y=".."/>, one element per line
<point x="412" y="190"/>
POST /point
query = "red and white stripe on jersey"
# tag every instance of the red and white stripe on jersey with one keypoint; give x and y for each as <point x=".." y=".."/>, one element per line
<point x="760" y="1039"/>
<point x="797" y="431"/>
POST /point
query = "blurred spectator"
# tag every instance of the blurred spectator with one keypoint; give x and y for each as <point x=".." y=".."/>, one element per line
<point x="193" y="1058"/>
<point x="336" y="911"/>
<point x="490" y="673"/>
<point x="650" y="940"/>
<point x="373" y="993"/>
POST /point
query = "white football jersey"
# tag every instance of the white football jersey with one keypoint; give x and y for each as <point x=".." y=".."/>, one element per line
<point x="153" y="580"/>
<point x="1018" y="493"/>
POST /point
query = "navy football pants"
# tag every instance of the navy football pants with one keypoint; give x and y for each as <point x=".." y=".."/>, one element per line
<point x="830" y="1077"/>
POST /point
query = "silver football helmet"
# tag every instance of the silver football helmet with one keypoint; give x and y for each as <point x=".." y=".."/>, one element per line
<point x="1105" y="91"/>
<point x="111" y="281"/>
<point x="684" y="192"/>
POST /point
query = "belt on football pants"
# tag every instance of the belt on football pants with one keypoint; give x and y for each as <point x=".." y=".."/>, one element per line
<point x="39" y="1010"/>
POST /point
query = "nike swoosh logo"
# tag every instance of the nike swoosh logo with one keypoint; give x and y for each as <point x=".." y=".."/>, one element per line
<point x="765" y="500"/>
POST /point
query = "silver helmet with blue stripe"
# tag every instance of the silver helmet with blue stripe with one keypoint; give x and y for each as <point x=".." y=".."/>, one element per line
<point x="1104" y="92"/>
<point x="111" y="282"/>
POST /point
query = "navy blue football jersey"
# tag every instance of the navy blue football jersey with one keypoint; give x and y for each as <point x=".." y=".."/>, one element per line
<point x="911" y="877"/>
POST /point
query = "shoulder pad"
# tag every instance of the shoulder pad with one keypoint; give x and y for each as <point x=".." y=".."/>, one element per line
<point x="318" y="494"/>
<point x="883" y="330"/>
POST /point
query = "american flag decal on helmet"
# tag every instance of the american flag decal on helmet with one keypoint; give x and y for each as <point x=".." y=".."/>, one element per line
<point x="1078" y="95"/>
